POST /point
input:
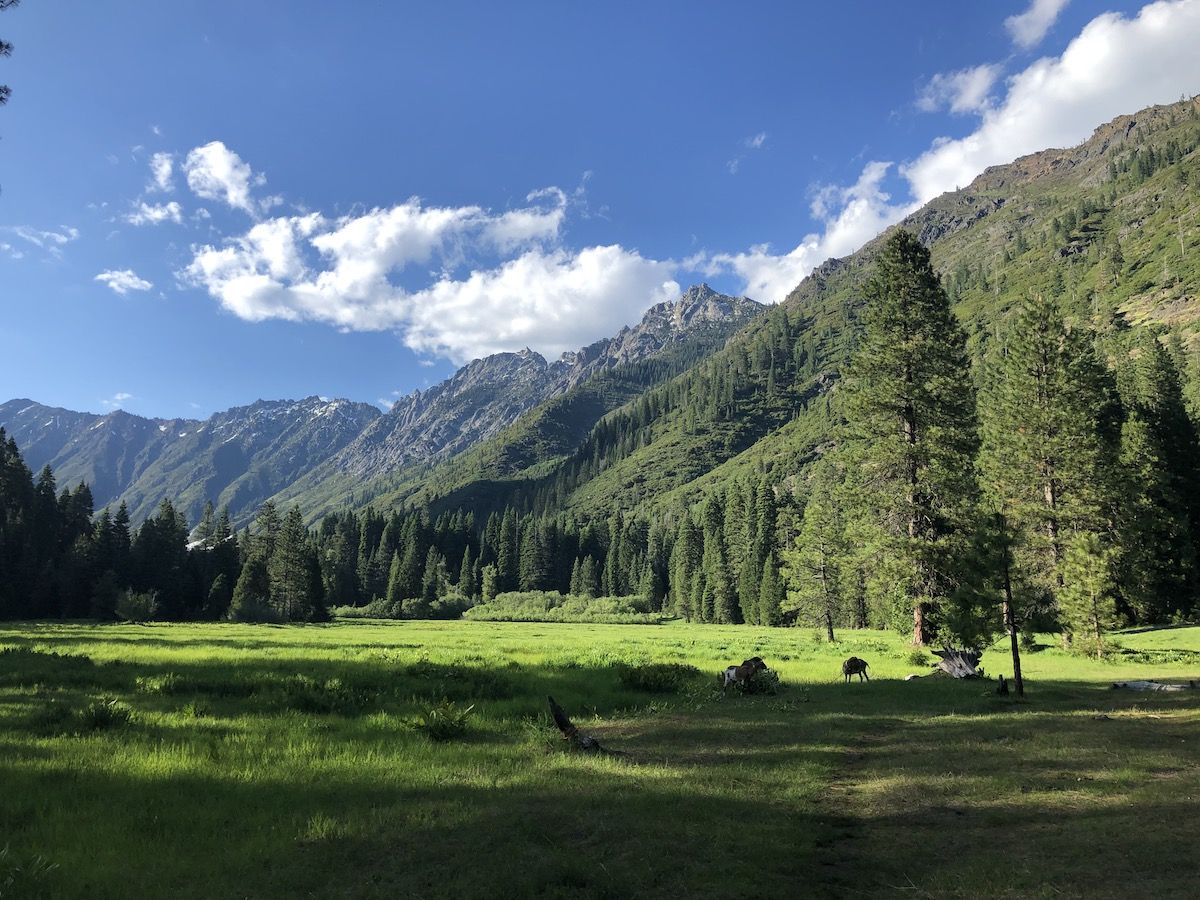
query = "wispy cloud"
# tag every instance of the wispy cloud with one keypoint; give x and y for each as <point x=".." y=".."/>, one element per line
<point x="964" y="91"/>
<point x="117" y="400"/>
<point x="754" y="142"/>
<point x="155" y="213"/>
<point x="122" y="281"/>
<point x="162" y="168"/>
<point x="1028" y="28"/>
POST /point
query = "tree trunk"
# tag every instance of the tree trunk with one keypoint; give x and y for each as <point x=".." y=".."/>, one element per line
<point x="828" y="610"/>
<point x="1010" y="618"/>
<point x="919" y="625"/>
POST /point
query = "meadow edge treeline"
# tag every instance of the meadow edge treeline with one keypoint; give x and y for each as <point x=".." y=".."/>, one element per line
<point x="1049" y="483"/>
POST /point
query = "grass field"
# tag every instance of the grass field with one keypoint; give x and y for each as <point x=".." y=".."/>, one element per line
<point x="264" y="761"/>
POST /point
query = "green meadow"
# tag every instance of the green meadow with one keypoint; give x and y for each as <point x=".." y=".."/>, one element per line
<point x="215" y="761"/>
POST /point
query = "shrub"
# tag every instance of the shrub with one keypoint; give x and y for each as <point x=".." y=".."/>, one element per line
<point x="103" y="715"/>
<point x="378" y="608"/>
<point x="254" y="611"/>
<point x="53" y="718"/>
<point x="444" y="721"/>
<point x="551" y="606"/>
<point x="197" y="709"/>
<point x="436" y="680"/>
<point x="656" y="678"/>
<point x="135" y="606"/>
<point x="917" y="657"/>
<point x="305" y="694"/>
<point x="167" y="684"/>
<point x="764" y="682"/>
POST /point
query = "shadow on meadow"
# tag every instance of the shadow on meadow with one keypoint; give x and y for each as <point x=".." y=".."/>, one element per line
<point x="291" y="778"/>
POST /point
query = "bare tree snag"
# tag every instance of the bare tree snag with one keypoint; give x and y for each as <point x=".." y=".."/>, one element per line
<point x="579" y="741"/>
<point x="958" y="663"/>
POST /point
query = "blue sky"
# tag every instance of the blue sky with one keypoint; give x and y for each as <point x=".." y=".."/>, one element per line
<point x="207" y="203"/>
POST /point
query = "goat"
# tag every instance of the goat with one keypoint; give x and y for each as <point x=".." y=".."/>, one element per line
<point x="855" y="666"/>
<point x="743" y="673"/>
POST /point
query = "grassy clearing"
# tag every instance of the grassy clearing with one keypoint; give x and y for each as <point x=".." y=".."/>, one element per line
<point x="261" y="761"/>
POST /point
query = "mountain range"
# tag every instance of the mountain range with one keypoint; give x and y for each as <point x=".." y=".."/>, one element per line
<point x="703" y="391"/>
<point x="245" y="455"/>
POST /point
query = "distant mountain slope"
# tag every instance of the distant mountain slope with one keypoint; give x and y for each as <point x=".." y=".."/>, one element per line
<point x="487" y="396"/>
<point x="109" y="452"/>
<point x="326" y="454"/>
<point x="238" y="457"/>
<point x="1111" y="226"/>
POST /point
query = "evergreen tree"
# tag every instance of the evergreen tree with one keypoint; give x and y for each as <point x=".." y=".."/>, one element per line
<point x="490" y="582"/>
<point x="911" y="434"/>
<point x="1087" y="601"/>
<point x="432" y="582"/>
<point x="1049" y="449"/>
<point x="288" y="570"/>
<point x="771" y="594"/>
<point x="589" y="580"/>
<point x="1157" y="561"/>
<point x="814" y="564"/>
<point x="220" y="595"/>
<point x="507" y="554"/>
<point x="252" y="593"/>
<point x="395" y="584"/>
<point x="466" y="575"/>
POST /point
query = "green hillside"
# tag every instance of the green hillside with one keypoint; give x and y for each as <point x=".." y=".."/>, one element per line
<point x="1109" y="226"/>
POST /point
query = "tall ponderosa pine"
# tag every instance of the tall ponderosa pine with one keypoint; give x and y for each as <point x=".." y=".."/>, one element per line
<point x="911" y="433"/>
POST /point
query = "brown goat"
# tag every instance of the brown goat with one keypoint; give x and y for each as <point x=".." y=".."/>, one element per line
<point x="743" y="673"/>
<point x="855" y="666"/>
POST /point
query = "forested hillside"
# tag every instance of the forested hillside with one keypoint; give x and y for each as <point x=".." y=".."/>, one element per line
<point x="1110" y="227"/>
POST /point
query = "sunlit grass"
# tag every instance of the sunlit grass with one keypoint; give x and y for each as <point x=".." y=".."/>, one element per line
<point x="265" y="761"/>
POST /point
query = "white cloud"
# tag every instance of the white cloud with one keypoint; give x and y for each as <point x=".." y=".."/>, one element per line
<point x="1028" y="28"/>
<point x="551" y="301"/>
<point x="47" y="240"/>
<point x="1114" y="66"/>
<point x="162" y="167"/>
<point x="344" y="273"/>
<point x="214" y="172"/>
<point x="852" y="216"/>
<point x="154" y="214"/>
<point x="117" y="400"/>
<point x="754" y="142"/>
<point x="122" y="281"/>
<point x="11" y="251"/>
<point x="964" y="91"/>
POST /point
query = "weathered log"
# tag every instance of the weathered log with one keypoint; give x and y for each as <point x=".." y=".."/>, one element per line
<point x="579" y="741"/>
<point x="958" y="663"/>
<point x="1154" y="686"/>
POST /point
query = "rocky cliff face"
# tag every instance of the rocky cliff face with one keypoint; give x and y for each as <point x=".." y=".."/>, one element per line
<point x="489" y="394"/>
<point x="237" y="457"/>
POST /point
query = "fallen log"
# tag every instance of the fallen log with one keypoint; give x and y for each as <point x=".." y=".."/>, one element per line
<point x="579" y="741"/>
<point x="958" y="663"/>
<point x="1153" y="686"/>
